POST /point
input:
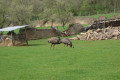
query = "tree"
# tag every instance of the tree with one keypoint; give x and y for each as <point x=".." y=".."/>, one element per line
<point x="4" y="8"/>
<point x="20" y="12"/>
<point x="63" y="12"/>
<point x="49" y="11"/>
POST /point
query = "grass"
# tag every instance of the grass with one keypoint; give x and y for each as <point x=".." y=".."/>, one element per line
<point x="110" y="15"/>
<point x="89" y="60"/>
<point x="86" y="25"/>
<point x="16" y="31"/>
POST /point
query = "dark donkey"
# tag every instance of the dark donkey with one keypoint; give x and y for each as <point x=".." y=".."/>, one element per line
<point x="54" y="41"/>
<point x="67" y="42"/>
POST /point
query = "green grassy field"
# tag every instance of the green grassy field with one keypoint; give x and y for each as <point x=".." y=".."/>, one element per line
<point x="49" y="27"/>
<point x="89" y="60"/>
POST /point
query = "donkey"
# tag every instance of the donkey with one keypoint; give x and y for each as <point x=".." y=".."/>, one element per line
<point x="67" y="42"/>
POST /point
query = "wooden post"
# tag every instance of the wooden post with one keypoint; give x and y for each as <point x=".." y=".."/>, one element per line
<point x="12" y="38"/>
<point x="26" y="36"/>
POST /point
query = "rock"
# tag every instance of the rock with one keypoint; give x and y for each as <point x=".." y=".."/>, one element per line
<point x="74" y="28"/>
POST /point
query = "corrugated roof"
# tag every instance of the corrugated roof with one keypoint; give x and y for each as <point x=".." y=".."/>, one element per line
<point x="12" y="28"/>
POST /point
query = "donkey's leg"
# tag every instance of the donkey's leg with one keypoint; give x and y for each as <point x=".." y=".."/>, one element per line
<point x="64" y="45"/>
<point x="67" y="45"/>
<point x="51" y="45"/>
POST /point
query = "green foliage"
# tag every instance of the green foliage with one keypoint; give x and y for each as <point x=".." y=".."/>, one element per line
<point x="110" y="15"/>
<point x="89" y="60"/>
<point x="20" y="12"/>
<point x="4" y="13"/>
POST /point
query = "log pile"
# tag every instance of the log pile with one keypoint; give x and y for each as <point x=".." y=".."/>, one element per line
<point x="58" y="32"/>
<point x="100" y="34"/>
<point x="104" y="23"/>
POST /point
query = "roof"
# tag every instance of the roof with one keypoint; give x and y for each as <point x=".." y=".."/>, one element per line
<point x="13" y="28"/>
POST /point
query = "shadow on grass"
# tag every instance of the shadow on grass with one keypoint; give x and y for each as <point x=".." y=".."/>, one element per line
<point x="36" y="44"/>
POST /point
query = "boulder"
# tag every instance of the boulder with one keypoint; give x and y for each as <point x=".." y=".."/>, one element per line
<point x="74" y="28"/>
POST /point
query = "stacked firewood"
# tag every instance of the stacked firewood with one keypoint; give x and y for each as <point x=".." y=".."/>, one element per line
<point x="100" y="34"/>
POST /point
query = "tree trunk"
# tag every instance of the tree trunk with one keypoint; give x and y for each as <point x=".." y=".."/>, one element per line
<point x="52" y="23"/>
<point x="63" y="26"/>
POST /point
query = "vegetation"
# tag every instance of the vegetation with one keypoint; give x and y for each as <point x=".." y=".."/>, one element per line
<point x="20" y="12"/>
<point x="89" y="60"/>
<point x="109" y="15"/>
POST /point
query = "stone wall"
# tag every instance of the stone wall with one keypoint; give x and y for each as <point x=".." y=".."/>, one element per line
<point x="33" y="33"/>
<point x="44" y="33"/>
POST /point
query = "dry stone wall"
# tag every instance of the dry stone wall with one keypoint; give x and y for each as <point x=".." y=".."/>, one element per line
<point x="33" y="33"/>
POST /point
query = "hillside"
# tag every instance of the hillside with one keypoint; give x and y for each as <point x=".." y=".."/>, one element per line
<point x="22" y="12"/>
